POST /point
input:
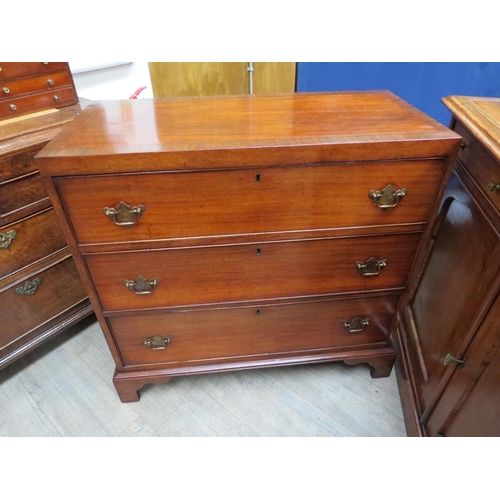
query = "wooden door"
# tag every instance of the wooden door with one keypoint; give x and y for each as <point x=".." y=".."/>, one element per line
<point x="183" y="79"/>
<point x="454" y="292"/>
<point x="469" y="405"/>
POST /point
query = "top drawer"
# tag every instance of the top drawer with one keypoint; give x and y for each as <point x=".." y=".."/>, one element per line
<point x="20" y="69"/>
<point x="254" y="200"/>
<point x="481" y="165"/>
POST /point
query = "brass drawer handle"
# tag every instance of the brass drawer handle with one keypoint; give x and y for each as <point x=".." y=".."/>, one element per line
<point x="451" y="359"/>
<point x="30" y="287"/>
<point x="123" y="214"/>
<point x="7" y="238"/>
<point x="355" y="325"/>
<point x="6" y="90"/>
<point x="372" y="267"/>
<point x="388" y="198"/>
<point x="494" y="187"/>
<point x="157" y="342"/>
<point x="142" y="286"/>
<point x="50" y="81"/>
<point x="13" y="107"/>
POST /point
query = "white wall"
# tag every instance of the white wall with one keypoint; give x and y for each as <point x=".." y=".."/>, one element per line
<point x="111" y="80"/>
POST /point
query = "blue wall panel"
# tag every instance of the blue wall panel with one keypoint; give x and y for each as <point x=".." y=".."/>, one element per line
<point x="421" y="84"/>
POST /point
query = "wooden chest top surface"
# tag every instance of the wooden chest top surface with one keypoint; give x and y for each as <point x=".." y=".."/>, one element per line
<point x="481" y="115"/>
<point x="202" y="132"/>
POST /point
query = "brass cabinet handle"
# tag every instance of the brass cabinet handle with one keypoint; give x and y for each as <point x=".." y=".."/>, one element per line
<point x="30" y="287"/>
<point x="492" y="186"/>
<point x="141" y="285"/>
<point x="123" y="214"/>
<point x="451" y="359"/>
<point x="371" y="267"/>
<point x="157" y="342"/>
<point x="389" y="197"/>
<point x="7" y="238"/>
<point x="355" y="325"/>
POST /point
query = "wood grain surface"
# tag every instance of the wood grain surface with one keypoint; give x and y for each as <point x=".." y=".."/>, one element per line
<point x="264" y="200"/>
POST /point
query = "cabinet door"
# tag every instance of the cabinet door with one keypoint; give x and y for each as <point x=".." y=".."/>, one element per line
<point x="454" y="293"/>
<point x="469" y="405"/>
<point x="480" y="414"/>
<point x="170" y="79"/>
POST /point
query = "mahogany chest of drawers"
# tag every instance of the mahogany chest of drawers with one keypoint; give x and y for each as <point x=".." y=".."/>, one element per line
<point x="240" y="232"/>
<point x="26" y="87"/>
<point x="40" y="290"/>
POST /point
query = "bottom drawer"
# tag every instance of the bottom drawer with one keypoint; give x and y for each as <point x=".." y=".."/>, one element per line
<point x="266" y="330"/>
<point x="56" y="289"/>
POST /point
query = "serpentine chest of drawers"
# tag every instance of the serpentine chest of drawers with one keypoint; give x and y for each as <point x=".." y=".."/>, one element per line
<point x="225" y="233"/>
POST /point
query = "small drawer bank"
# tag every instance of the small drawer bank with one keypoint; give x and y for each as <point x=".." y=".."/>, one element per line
<point x="227" y="233"/>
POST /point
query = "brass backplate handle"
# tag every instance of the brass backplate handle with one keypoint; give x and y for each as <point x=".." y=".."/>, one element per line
<point x="389" y="197"/>
<point x="451" y="359"/>
<point x="124" y="214"/>
<point x="157" y="342"/>
<point x="30" y="287"/>
<point x="7" y="238"/>
<point x="371" y="267"/>
<point x="141" y="285"/>
<point x="356" y="325"/>
<point x="494" y="186"/>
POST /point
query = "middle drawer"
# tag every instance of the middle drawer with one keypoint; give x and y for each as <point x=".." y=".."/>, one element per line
<point x="247" y="272"/>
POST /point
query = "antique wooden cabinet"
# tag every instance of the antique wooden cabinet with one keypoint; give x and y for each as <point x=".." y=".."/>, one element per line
<point x="243" y="232"/>
<point x="40" y="290"/>
<point x="448" y="331"/>
<point x="26" y="87"/>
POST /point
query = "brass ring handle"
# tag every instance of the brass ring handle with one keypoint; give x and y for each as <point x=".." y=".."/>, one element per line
<point x="7" y="238"/>
<point x="451" y="359"/>
<point x="141" y="285"/>
<point x="372" y="267"/>
<point x="123" y="214"/>
<point x="492" y="186"/>
<point x="355" y="325"/>
<point x="30" y="287"/>
<point x="157" y="342"/>
<point x="389" y="197"/>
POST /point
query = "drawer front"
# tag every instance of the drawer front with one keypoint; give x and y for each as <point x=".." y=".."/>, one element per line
<point x="29" y="240"/>
<point x="273" y="199"/>
<point x="10" y="108"/>
<point x="59" y="288"/>
<point x="481" y="165"/>
<point x="19" y="163"/>
<point x="19" y="194"/>
<point x="201" y="275"/>
<point x="24" y="69"/>
<point x="50" y="81"/>
<point x="213" y="335"/>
